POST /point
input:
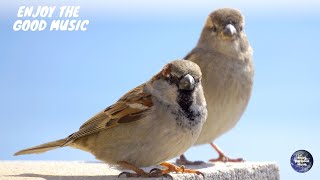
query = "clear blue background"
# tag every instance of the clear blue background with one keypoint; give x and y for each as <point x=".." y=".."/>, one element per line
<point x="51" y="82"/>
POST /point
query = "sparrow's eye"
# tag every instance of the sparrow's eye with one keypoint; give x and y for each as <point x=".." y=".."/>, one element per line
<point x="214" y="28"/>
<point x="172" y="79"/>
<point x="241" y="28"/>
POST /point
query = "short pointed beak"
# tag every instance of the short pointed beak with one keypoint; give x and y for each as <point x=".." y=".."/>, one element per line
<point x="187" y="83"/>
<point x="229" y="30"/>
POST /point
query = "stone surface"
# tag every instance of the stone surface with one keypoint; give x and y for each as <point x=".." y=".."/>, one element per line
<point x="73" y="170"/>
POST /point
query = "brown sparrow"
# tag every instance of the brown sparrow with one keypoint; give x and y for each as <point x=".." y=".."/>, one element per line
<point x="152" y="123"/>
<point x="225" y="58"/>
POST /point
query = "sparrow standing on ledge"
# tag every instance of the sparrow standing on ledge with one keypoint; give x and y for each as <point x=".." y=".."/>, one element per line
<point x="225" y="58"/>
<point x="152" y="123"/>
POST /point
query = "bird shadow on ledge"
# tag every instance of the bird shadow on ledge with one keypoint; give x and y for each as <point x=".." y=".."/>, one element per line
<point x="96" y="177"/>
<point x="74" y="177"/>
<point x="64" y="177"/>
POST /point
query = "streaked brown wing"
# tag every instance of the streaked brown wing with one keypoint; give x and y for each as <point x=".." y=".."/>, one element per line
<point x="130" y="108"/>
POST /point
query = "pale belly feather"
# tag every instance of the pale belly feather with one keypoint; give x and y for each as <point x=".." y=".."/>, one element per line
<point x="146" y="142"/>
<point x="227" y="95"/>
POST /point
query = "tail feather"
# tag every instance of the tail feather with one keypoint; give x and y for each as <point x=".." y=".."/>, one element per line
<point x="43" y="147"/>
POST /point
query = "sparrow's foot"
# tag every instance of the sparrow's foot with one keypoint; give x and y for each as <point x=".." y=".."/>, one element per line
<point x="184" y="161"/>
<point x="222" y="157"/>
<point x="138" y="172"/>
<point x="173" y="168"/>
<point x="128" y="174"/>
<point x="155" y="172"/>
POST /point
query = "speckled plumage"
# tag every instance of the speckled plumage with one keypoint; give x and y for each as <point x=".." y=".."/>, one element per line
<point x="227" y="68"/>
<point x="147" y="125"/>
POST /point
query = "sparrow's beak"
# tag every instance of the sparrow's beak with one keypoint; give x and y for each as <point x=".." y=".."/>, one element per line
<point x="187" y="83"/>
<point x="229" y="31"/>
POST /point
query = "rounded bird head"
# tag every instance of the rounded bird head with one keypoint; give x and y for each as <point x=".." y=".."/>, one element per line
<point x="224" y="31"/>
<point x="226" y="24"/>
<point x="179" y="76"/>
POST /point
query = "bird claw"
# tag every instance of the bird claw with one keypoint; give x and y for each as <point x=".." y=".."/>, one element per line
<point x="156" y="172"/>
<point x="200" y="173"/>
<point x="128" y="174"/>
<point x="225" y="159"/>
<point x="173" y="168"/>
<point x="193" y="171"/>
<point x="222" y="157"/>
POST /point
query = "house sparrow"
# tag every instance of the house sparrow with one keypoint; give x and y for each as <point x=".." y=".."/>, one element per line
<point x="152" y="123"/>
<point x="225" y="58"/>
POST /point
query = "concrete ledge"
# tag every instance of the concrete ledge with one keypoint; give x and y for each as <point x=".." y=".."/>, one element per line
<point x="72" y="170"/>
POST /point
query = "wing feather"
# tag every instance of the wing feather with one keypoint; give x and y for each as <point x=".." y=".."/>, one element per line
<point x="132" y="107"/>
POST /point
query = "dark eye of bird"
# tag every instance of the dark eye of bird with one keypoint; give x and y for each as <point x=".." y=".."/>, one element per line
<point x="172" y="79"/>
<point x="241" y="28"/>
<point x="214" y="29"/>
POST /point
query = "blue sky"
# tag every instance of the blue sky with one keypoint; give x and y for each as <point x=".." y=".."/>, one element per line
<point x="52" y="82"/>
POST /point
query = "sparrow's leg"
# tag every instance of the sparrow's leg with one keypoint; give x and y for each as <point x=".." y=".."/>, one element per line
<point x="222" y="157"/>
<point x="184" y="161"/>
<point x="138" y="172"/>
<point x="173" y="168"/>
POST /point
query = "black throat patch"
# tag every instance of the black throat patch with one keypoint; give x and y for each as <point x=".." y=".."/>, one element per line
<point x="185" y="100"/>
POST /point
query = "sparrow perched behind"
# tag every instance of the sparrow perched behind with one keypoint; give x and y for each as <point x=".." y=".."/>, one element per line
<point x="225" y="58"/>
<point x="152" y="123"/>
